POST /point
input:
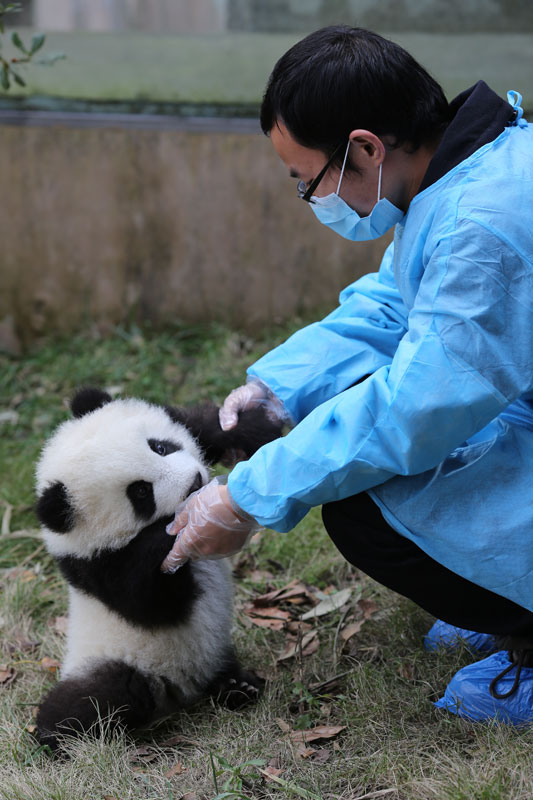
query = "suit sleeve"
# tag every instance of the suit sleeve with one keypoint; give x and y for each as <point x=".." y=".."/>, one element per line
<point x="467" y="354"/>
<point x="327" y="357"/>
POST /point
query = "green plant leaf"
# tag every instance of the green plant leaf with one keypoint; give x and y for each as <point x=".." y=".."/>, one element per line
<point x="18" y="79"/>
<point x="17" y="41"/>
<point x="37" y="42"/>
<point x="4" y="77"/>
<point x="49" y="59"/>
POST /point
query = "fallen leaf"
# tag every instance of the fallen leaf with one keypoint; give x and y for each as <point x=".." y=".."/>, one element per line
<point x="271" y="617"/>
<point x="312" y="647"/>
<point x="351" y="629"/>
<point x="50" y="664"/>
<point x="368" y="607"/>
<point x="321" y="755"/>
<point x="177" y="769"/>
<point x="189" y="796"/>
<point x="272" y="612"/>
<point x="7" y="675"/>
<point x="296" y="589"/>
<point x="331" y="603"/>
<point x="318" y="732"/>
<point x="303" y="751"/>
<point x="271" y="772"/>
<point x="31" y="728"/>
<point x="143" y="753"/>
<point x="290" y="590"/>
<point x="308" y="644"/>
<point x="285" y="727"/>
<point x="271" y="624"/>
<point x="295" y="626"/>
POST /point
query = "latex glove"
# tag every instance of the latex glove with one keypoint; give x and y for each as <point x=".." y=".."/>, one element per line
<point x="207" y="526"/>
<point x="252" y="394"/>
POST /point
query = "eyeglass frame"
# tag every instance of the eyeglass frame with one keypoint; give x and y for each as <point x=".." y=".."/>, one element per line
<point x="307" y="193"/>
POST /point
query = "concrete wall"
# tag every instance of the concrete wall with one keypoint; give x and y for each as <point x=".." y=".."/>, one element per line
<point x="435" y="16"/>
<point x="105" y="225"/>
<point x="209" y="16"/>
<point x="157" y="16"/>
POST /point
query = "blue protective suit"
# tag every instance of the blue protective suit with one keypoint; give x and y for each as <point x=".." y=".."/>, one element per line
<point x="419" y="386"/>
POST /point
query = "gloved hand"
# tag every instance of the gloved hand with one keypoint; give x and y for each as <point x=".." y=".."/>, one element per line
<point x="252" y="394"/>
<point x="207" y="526"/>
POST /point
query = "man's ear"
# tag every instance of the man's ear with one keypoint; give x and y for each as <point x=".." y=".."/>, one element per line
<point x="253" y="430"/>
<point x="366" y="148"/>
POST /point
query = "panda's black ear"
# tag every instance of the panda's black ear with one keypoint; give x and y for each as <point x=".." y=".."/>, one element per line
<point x="55" y="510"/>
<point x="202" y="422"/>
<point x="253" y="430"/>
<point x="87" y="400"/>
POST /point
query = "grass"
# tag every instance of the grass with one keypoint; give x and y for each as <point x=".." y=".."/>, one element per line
<point x="233" y="68"/>
<point x="395" y="745"/>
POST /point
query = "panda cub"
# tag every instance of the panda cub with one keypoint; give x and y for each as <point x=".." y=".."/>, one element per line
<point x="140" y="643"/>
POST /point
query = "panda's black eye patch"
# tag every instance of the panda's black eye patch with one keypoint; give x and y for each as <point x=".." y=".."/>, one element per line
<point x="54" y="508"/>
<point x="164" y="447"/>
<point x="141" y="496"/>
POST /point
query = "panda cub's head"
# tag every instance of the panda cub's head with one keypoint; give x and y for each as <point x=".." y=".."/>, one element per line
<point x="112" y="470"/>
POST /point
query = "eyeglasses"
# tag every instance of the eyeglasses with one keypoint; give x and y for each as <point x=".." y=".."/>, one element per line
<point x="306" y="192"/>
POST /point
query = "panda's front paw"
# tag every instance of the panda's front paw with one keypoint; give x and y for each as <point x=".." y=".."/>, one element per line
<point x="239" y="689"/>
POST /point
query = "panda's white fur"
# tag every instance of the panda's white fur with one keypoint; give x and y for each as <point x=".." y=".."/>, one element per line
<point x="186" y="655"/>
<point x="98" y="455"/>
<point x="168" y="656"/>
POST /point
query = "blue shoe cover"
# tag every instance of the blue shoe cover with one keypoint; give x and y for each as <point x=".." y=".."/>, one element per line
<point x="468" y="694"/>
<point x="449" y="638"/>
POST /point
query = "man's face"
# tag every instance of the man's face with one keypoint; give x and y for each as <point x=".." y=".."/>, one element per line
<point x="358" y="190"/>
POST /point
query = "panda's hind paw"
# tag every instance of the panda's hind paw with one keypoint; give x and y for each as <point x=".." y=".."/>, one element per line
<point x="239" y="689"/>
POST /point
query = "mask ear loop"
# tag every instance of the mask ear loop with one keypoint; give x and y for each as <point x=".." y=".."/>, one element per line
<point x="343" y="165"/>
<point x="379" y="181"/>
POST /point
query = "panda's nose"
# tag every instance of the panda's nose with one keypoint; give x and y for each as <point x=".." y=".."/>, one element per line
<point x="197" y="483"/>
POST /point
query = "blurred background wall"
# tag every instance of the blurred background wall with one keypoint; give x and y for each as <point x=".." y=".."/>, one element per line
<point x="275" y="16"/>
<point x="137" y="185"/>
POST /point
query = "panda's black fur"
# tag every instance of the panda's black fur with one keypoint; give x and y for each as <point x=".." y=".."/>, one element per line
<point x="141" y="643"/>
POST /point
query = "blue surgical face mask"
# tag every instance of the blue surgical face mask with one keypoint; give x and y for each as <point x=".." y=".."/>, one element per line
<point x="333" y="212"/>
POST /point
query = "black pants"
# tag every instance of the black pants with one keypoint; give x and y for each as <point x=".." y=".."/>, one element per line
<point x="360" y="532"/>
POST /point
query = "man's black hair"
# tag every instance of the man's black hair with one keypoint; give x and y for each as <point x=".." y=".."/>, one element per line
<point x="340" y="78"/>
